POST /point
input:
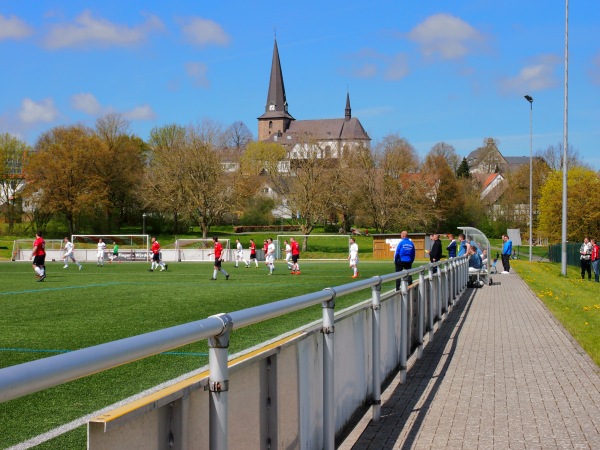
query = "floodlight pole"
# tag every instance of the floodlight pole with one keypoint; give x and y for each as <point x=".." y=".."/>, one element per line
<point x="144" y="223"/>
<point x="529" y="98"/>
<point x="565" y="146"/>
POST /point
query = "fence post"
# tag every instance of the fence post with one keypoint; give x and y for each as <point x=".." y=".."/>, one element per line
<point x="421" y="326"/>
<point x="430" y="293"/>
<point x="403" y="329"/>
<point x="328" y="379"/>
<point x="376" y="348"/>
<point x="218" y="384"/>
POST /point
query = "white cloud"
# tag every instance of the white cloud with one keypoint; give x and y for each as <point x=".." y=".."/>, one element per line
<point x="398" y="67"/>
<point x="368" y="63"/>
<point x="446" y="36"/>
<point x="32" y="112"/>
<point x="197" y="72"/>
<point x="86" y="103"/>
<point x="538" y="75"/>
<point x="202" y="32"/>
<point x="11" y="27"/>
<point x="143" y="112"/>
<point x="88" y="31"/>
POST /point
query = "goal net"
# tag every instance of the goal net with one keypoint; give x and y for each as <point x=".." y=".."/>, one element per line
<point x="325" y="247"/>
<point x="22" y="249"/>
<point x="130" y="247"/>
<point x="201" y="249"/>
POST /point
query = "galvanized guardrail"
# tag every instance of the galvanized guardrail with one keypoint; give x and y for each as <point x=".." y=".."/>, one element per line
<point x="439" y="285"/>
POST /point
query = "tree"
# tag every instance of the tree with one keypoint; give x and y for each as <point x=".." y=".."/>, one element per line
<point x="583" y="194"/>
<point x="237" y="137"/>
<point x="448" y="152"/>
<point x="554" y="154"/>
<point x="463" y="169"/>
<point x="123" y="168"/>
<point x="163" y="187"/>
<point x="399" y="156"/>
<point x="13" y="153"/>
<point x="64" y="175"/>
<point x="442" y="190"/>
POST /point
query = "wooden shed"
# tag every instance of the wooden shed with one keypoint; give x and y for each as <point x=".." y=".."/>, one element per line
<point x="384" y="245"/>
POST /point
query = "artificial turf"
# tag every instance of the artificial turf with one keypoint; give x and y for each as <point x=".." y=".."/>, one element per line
<point x="75" y="309"/>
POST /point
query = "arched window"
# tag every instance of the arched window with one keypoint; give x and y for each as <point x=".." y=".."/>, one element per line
<point x="270" y="124"/>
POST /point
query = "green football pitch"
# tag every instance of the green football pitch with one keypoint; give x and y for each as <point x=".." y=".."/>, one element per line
<point x="75" y="309"/>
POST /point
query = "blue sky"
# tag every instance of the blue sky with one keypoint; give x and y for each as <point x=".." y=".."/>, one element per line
<point x="430" y="70"/>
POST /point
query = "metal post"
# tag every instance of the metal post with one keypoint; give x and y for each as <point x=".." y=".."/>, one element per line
<point x="421" y="331"/>
<point x="144" y="223"/>
<point x="530" y="180"/>
<point x="218" y="385"/>
<point x="376" y="338"/>
<point x="430" y="299"/>
<point x="328" y="380"/>
<point x="403" y="329"/>
<point x="565" y="146"/>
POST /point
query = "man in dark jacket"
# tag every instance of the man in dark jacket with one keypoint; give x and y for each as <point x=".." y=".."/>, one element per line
<point x="404" y="256"/>
<point x="435" y="254"/>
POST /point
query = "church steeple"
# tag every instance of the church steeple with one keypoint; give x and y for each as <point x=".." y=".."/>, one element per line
<point x="276" y="118"/>
<point x="348" y="109"/>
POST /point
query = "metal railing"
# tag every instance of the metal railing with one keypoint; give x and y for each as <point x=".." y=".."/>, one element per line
<point x="436" y="292"/>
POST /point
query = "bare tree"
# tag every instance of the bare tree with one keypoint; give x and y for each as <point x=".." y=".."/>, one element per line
<point x="448" y="152"/>
<point x="553" y="156"/>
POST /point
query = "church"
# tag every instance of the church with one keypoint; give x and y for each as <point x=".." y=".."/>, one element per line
<point x="332" y="137"/>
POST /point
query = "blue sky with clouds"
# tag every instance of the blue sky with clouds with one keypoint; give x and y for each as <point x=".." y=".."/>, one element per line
<point x="430" y="70"/>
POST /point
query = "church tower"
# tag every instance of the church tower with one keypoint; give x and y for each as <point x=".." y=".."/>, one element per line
<point x="276" y="119"/>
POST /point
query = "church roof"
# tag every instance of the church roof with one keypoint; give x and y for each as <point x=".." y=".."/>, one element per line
<point x="276" y="107"/>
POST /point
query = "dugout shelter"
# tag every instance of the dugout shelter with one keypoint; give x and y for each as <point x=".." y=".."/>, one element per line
<point x="384" y="245"/>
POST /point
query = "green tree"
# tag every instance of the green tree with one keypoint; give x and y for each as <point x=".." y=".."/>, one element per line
<point x="63" y="174"/>
<point x="463" y="169"/>
<point x="583" y="194"/>
<point x="13" y="153"/>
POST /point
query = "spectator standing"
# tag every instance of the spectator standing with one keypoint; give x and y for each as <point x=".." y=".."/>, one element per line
<point x="218" y="252"/>
<point x="462" y="245"/>
<point x="39" y="256"/>
<point x="595" y="260"/>
<point x="451" y="246"/>
<point x="435" y="254"/>
<point x="353" y="257"/>
<point x="586" y="258"/>
<point x="69" y="249"/>
<point x="506" y="254"/>
<point x="404" y="256"/>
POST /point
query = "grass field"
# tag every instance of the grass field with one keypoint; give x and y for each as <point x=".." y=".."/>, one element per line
<point x="75" y="309"/>
<point x="573" y="301"/>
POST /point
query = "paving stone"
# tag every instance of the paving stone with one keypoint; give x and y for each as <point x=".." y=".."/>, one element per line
<point x="501" y="372"/>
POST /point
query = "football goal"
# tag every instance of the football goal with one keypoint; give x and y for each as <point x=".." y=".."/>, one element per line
<point x="131" y="247"/>
<point x="325" y="247"/>
<point x="201" y="249"/>
<point x="22" y="249"/>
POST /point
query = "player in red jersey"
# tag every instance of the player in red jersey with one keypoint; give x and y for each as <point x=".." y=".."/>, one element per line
<point x="156" y="262"/>
<point x="39" y="256"/>
<point x="295" y="256"/>
<point x="218" y="252"/>
<point x="253" y="252"/>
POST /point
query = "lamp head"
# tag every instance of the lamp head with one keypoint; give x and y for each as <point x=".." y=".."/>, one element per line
<point x="529" y="98"/>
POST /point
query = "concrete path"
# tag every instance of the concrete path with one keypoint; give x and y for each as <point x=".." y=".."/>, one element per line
<point x="501" y="373"/>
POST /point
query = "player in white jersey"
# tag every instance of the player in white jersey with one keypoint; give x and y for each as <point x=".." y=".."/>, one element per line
<point x="288" y="254"/>
<point x="239" y="254"/>
<point x="270" y="257"/>
<point x="69" y="248"/>
<point x="353" y="257"/>
<point x="101" y="248"/>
